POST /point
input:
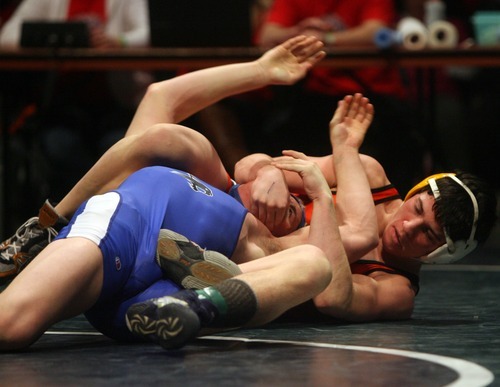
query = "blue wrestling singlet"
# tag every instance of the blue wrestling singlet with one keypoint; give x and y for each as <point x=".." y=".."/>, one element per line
<point x="125" y="224"/>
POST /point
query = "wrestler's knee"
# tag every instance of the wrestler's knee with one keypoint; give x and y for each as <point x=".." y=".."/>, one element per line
<point x="158" y="134"/>
<point x="172" y="137"/>
<point x="16" y="332"/>
<point x="315" y="267"/>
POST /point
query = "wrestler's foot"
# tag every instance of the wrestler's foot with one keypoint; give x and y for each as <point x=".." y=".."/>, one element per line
<point x="190" y="266"/>
<point x="170" y="321"/>
<point x="28" y="241"/>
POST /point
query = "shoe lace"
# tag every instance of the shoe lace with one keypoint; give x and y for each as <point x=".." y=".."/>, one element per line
<point x="28" y="230"/>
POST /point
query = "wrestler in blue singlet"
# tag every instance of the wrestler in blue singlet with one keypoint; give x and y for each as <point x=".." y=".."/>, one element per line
<point x="125" y="224"/>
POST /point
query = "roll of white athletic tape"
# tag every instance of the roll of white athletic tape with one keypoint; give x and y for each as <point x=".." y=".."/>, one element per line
<point x="413" y="33"/>
<point x="443" y="34"/>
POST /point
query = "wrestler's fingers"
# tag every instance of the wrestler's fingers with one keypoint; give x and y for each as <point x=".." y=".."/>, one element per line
<point x="365" y="113"/>
<point x="370" y="113"/>
<point x="293" y="165"/>
<point x="355" y="105"/>
<point x="292" y="43"/>
<point x="294" y="154"/>
<point x="363" y="108"/>
<point x="340" y="112"/>
<point x="270" y="220"/>
<point x="303" y="49"/>
<point x="313" y="59"/>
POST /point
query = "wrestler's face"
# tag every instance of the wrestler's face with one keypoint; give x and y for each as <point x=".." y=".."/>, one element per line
<point x="292" y="220"/>
<point x="413" y="231"/>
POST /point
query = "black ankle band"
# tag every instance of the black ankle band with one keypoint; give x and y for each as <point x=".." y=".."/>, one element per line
<point x="241" y="303"/>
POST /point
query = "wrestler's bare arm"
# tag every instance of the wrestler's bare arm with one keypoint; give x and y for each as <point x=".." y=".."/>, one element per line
<point x="355" y="208"/>
<point x="323" y="231"/>
<point x="174" y="100"/>
<point x="373" y="298"/>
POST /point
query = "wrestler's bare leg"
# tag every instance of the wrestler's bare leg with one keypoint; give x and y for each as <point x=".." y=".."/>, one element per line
<point x="63" y="282"/>
<point x="170" y="145"/>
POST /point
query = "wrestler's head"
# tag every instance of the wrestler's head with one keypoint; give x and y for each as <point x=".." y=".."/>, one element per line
<point x="295" y="218"/>
<point x="442" y="219"/>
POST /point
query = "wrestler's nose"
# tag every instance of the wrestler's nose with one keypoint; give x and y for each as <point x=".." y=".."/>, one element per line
<point x="412" y="225"/>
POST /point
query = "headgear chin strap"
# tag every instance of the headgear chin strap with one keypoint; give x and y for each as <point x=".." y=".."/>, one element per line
<point x="450" y="251"/>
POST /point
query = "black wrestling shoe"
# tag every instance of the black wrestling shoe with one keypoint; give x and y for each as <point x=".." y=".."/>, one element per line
<point x="188" y="265"/>
<point x="167" y="321"/>
<point x="28" y="241"/>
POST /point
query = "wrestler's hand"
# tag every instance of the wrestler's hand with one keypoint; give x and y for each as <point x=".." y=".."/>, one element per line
<point x="351" y="121"/>
<point x="270" y="197"/>
<point x="289" y="62"/>
<point x="315" y="184"/>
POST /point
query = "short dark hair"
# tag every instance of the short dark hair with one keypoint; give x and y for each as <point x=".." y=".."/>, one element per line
<point x="455" y="211"/>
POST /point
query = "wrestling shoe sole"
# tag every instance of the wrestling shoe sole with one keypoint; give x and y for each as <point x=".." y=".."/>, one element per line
<point x="166" y="321"/>
<point x="190" y="266"/>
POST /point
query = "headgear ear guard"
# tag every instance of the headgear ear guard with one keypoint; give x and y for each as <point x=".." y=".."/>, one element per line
<point x="450" y="251"/>
<point x="302" y="222"/>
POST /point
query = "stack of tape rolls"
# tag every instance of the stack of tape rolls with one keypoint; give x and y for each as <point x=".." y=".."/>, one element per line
<point x="412" y="34"/>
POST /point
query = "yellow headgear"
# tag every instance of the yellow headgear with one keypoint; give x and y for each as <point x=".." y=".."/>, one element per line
<point x="424" y="183"/>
